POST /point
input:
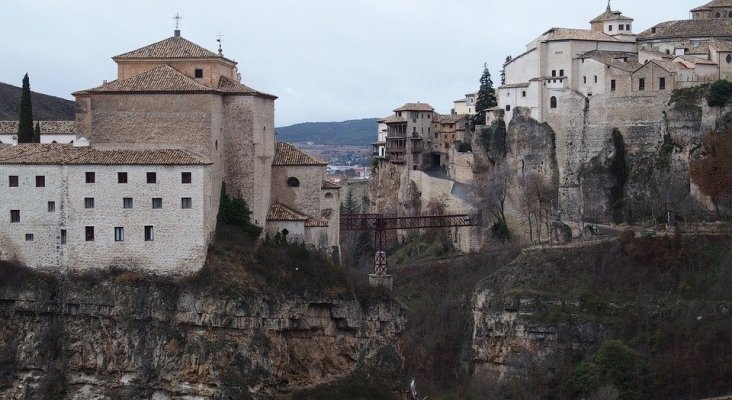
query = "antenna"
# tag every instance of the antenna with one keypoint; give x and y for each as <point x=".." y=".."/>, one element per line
<point x="177" y="19"/>
<point x="220" y="37"/>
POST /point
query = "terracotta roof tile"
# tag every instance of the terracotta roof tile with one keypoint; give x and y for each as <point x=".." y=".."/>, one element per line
<point x="415" y="107"/>
<point x="329" y="185"/>
<point x="316" y="223"/>
<point x="227" y="85"/>
<point x="514" y="85"/>
<point x="66" y="154"/>
<point x="689" y="28"/>
<point x="616" y="59"/>
<point x="714" y="4"/>
<point x="161" y="79"/>
<point x="393" y="119"/>
<point x="172" y="47"/>
<point x="47" y="127"/>
<point x="287" y="154"/>
<point x="278" y="212"/>
<point x="557" y="34"/>
<point x="610" y="15"/>
<point x="449" y="119"/>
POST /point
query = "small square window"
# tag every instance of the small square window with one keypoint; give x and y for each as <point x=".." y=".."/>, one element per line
<point x="51" y="206"/>
<point x="14" y="216"/>
<point x="119" y="234"/>
<point x="13" y="181"/>
<point x="198" y="73"/>
<point x="127" y="202"/>
<point x="89" y="233"/>
<point x="186" y="203"/>
<point x="121" y="177"/>
<point x="88" y="202"/>
<point x="152" y="177"/>
<point x="28" y="237"/>
<point x="90" y="177"/>
<point x="185" y="177"/>
<point x="157" y="202"/>
<point x="40" y="181"/>
<point x="508" y="107"/>
<point x="149" y="233"/>
<point x="63" y="236"/>
<point x="610" y="28"/>
<point x="561" y="72"/>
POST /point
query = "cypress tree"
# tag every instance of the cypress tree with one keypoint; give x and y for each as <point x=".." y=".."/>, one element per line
<point x="25" y="120"/>
<point x="486" y="97"/>
<point x="37" y="133"/>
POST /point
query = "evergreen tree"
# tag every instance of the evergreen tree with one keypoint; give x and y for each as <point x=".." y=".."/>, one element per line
<point x="25" y="120"/>
<point x="486" y="97"/>
<point x="503" y="70"/>
<point x="37" y="133"/>
<point x="349" y="205"/>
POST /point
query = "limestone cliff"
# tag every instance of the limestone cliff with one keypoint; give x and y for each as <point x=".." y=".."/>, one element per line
<point x="130" y="336"/>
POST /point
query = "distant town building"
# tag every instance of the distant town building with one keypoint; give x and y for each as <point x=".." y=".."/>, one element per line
<point x="466" y="105"/>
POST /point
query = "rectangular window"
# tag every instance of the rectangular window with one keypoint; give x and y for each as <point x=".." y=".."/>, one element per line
<point x="157" y="202"/>
<point x="508" y="107"/>
<point x="28" y="237"/>
<point x="127" y="202"/>
<point x="612" y="85"/>
<point x="621" y="27"/>
<point x="14" y="216"/>
<point x="642" y="84"/>
<point x="149" y="233"/>
<point x="610" y="28"/>
<point x="89" y="233"/>
<point x="63" y="236"/>
<point x="595" y="78"/>
<point x="13" y="180"/>
<point x="185" y="177"/>
<point x="523" y="93"/>
<point x="88" y="202"/>
<point x="119" y="234"/>
<point x="662" y="83"/>
<point x="627" y="27"/>
<point x="121" y="177"/>
<point x="90" y="177"/>
<point x="152" y="177"/>
<point x="40" y="181"/>
<point x="554" y="72"/>
<point x="198" y="73"/>
<point x="584" y="79"/>
<point x="186" y="203"/>
<point x="51" y="206"/>
<point x="561" y="72"/>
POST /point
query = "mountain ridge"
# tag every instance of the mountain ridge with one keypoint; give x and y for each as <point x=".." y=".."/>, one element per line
<point x="355" y="132"/>
<point x="45" y="107"/>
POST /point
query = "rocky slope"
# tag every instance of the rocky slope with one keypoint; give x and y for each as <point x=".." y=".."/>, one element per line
<point x="126" y="335"/>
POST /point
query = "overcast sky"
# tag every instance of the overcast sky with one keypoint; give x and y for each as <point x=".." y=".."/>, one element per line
<point x="327" y="60"/>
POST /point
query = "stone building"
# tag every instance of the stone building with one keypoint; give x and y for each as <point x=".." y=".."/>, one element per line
<point x="466" y="105"/>
<point x="51" y="131"/>
<point x="85" y="208"/>
<point x="178" y="113"/>
<point x="406" y="132"/>
<point x="447" y="132"/>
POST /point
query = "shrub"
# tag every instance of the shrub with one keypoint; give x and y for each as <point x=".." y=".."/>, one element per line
<point x="614" y="364"/>
<point x="619" y="172"/>
<point x="719" y="94"/>
<point x="13" y="275"/>
<point x="234" y="212"/>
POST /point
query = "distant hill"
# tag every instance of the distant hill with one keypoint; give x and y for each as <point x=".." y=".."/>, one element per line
<point x="45" y="108"/>
<point x="361" y="132"/>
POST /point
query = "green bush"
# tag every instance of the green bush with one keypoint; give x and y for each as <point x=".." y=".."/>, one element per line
<point x="619" y="171"/>
<point x="234" y="212"/>
<point x="719" y="94"/>
<point x="614" y="364"/>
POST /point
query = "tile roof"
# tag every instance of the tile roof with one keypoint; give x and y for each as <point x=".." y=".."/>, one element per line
<point x="695" y="60"/>
<point x="47" y="127"/>
<point x="614" y="59"/>
<point x="316" y="223"/>
<point x="287" y="154"/>
<point x="329" y="185"/>
<point x="721" y="45"/>
<point x="278" y="212"/>
<point x="227" y="85"/>
<point x="66" y="154"/>
<point x="689" y="28"/>
<point x="667" y="65"/>
<point x="610" y="15"/>
<point x="415" y="107"/>
<point x="393" y="119"/>
<point x="713" y="4"/>
<point x="514" y="85"/>
<point x="172" y="47"/>
<point x="161" y="79"/>
<point x="449" y="119"/>
<point x="557" y="34"/>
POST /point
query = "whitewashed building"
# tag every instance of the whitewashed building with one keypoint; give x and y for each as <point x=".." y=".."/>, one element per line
<point x="77" y="207"/>
<point x="51" y="131"/>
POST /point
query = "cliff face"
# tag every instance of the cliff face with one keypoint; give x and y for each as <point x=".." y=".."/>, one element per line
<point x="129" y="337"/>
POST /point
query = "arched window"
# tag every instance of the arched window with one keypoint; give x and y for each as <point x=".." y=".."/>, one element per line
<point x="729" y="58"/>
<point x="718" y="15"/>
<point x="293" y="182"/>
<point x="553" y="102"/>
<point x="329" y="195"/>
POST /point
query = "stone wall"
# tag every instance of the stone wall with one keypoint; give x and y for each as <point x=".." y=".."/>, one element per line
<point x="460" y="167"/>
<point x="304" y="199"/>
<point x="181" y="236"/>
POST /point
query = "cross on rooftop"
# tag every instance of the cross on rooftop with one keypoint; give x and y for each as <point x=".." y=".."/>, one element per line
<point x="220" y="36"/>
<point x="177" y="19"/>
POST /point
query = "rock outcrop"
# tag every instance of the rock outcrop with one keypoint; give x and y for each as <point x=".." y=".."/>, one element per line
<point x="129" y="337"/>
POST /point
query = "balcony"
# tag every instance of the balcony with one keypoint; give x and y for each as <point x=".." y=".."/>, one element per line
<point x="397" y="158"/>
<point x="417" y="146"/>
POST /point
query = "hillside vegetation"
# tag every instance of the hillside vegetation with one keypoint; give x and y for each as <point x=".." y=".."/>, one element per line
<point x="45" y="108"/>
<point x="361" y="132"/>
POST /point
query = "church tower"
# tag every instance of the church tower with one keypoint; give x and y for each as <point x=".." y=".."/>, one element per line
<point x="615" y="24"/>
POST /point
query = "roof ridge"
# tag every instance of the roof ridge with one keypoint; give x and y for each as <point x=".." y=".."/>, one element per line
<point x="148" y="80"/>
<point x="171" y="47"/>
